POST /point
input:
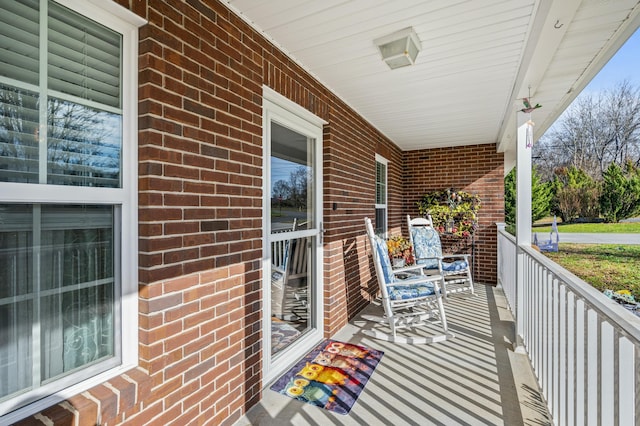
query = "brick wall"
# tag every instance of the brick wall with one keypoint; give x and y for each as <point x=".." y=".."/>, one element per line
<point x="200" y="200"/>
<point x="349" y="184"/>
<point x="200" y="214"/>
<point x="478" y="169"/>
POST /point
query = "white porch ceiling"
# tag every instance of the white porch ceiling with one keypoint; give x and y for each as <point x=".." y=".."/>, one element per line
<point x="478" y="59"/>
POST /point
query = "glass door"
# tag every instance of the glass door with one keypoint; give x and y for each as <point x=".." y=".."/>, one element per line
<point x="293" y="244"/>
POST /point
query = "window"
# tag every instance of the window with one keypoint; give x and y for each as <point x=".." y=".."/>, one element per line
<point x="68" y="238"/>
<point x="381" y="195"/>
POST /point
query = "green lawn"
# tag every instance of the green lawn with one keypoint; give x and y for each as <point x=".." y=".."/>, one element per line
<point x="604" y="228"/>
<point x="604" y="266"/>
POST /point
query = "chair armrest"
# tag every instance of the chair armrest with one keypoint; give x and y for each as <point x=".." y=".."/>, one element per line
<point x="449" y="256"/>
<point x="438" y="258"/>
<point x="405" y="269"/>
<point x="410" y="279"/>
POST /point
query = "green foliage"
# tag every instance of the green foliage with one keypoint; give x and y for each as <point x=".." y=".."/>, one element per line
<point x="620" y="197"/>
<point x="617" y="265"/>
<point x="510" y="197"/>
<point x="450" y="205"/>
<point x="541" y="195"/>
<point x="576" y="194"/>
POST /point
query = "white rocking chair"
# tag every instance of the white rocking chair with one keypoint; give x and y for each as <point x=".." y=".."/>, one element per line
<point x="427" y="249"/>
<point x="289" y="268"/>
<point x="410" y="298"/>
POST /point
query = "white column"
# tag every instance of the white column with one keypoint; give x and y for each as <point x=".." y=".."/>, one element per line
<point x="523" y="218"/>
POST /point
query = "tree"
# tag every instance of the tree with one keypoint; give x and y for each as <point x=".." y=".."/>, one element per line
<point x="293" y="192"/>
<point x="596" y="130"/>
<point x="620" y="197"/>
<point x="82" y="142"/>
<point x="541" y="194"/>
<point x="281" y="191"/>
<point x="575" y="194"/>
<point x="298" y="182"/>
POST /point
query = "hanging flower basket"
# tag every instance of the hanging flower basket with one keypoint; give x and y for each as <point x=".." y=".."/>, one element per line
<point x="452" y="212"/>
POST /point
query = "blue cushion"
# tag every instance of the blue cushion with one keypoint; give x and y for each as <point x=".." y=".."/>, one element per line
<point x="426" y="244"/>
<point x="400" y="292"/>
<point x="383" y="257"/>
<point x="458" y="265"/>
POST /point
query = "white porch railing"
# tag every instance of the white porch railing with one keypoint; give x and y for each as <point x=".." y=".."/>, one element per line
<point x="584" y="348"/>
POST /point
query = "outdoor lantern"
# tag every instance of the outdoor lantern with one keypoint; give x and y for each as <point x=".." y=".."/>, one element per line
<point x="400" y="48"/>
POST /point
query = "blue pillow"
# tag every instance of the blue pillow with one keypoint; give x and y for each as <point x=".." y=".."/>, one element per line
<point x="383" y="256"/>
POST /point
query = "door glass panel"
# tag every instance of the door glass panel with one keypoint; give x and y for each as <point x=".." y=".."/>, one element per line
<point x="292" y="248"/>
<point x="291" y="180"/>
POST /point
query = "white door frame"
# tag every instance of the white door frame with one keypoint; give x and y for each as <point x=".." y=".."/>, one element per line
<point x="281" y="110"/>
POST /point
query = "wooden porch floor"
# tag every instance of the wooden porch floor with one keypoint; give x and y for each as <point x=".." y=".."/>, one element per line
<point x="472" y="379"/>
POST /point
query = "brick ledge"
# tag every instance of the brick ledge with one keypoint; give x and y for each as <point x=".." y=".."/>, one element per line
<point x="106" y="403"/>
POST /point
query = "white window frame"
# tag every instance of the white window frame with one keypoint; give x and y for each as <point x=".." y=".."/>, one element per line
<point x="380" y="159"/>
<point x="125" y="199"/>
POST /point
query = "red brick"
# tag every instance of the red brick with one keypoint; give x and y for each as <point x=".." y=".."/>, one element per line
<point x="58" y="415"/>
<point x="108" y="402"/>
<point x="87" y="410"/>
<point x="142" y="381"/>
<point x="29" y="421"/>
<point x="127" y="397"/>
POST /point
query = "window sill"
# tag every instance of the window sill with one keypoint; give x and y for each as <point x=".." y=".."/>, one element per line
<point x="118" y="397"/>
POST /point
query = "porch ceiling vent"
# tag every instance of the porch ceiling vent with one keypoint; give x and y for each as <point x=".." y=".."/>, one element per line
<point x="399" y="49"/>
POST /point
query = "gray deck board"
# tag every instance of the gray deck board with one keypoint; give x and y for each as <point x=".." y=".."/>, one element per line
<point x="473" y="379"/>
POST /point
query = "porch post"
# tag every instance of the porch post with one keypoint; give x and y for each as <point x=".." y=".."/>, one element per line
<point x="523" y="219"/>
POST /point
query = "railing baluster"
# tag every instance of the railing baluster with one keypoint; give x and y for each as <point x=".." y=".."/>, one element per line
<point x="552" y="349"/>
<point x="581" y="366"/>
<point x="636" y="385"/>
<point x="545" y="324"/>
<point x="627" y="373"/>
<point x="592" y="367"/>
<point x="571" y="361"/>
<point x="616" y="374"/>
<point x="535" y="318"/>
<point x="607" y="348"/>
<point x="561" y="378"/>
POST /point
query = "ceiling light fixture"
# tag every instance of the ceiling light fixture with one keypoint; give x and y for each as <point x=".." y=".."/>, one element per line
<point x="399" y="49"/>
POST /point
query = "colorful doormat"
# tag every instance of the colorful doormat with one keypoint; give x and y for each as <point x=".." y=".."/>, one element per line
<point x="331" y="376"/>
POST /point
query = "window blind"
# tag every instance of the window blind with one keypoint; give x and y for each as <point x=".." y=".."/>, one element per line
<point x="19" y="40"/>
<point x="84" y="57"/>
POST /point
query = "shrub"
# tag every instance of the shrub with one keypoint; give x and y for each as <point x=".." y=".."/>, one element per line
<point x="620" y="197"/>
<point x="576" y="194"/>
